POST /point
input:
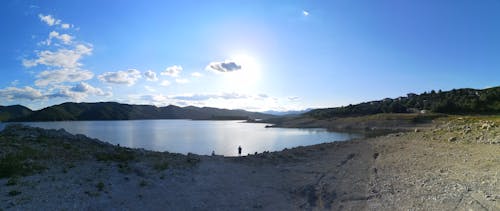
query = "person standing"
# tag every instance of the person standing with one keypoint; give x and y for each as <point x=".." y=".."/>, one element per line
<point x="239" y="150"/>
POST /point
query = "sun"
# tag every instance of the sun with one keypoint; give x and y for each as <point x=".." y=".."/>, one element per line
<point x="246" y="79"/>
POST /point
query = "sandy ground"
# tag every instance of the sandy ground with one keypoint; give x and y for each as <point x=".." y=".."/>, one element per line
<point x="437" y="168"/>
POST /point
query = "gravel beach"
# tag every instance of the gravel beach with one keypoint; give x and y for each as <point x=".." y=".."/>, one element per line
<point x="453" y="164"/>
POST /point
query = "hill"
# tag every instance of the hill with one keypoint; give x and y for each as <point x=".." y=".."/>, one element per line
<point x="456" y="101"/>
<point x="14" y="111"/>
<point x="118" y="111"/>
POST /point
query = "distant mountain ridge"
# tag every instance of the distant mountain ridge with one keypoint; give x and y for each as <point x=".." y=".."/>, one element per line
<point x="118" y="111"/>
<point x="287" y="113"/>
<point x="456" y="101"/>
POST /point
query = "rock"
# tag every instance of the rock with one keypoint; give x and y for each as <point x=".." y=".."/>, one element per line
<point x="416" y="130"/>
<point x="485" y="126"/>
<point x="452" y="139"/>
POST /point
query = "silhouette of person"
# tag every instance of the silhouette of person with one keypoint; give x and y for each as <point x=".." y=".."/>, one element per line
<point x="239" y="150"/>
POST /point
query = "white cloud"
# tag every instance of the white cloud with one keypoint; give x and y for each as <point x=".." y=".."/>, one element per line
<point x="66" y="25"/>
<point x="78" y="92"/>
<point x="65" y="58"/>
<point x="196" y="74"/>
<point x="172" y="71"/>
<point x="181" y="81"/>
<point x="49" y="20"/>
<point x="293" y="98"/>
<point x="149" y="89"/>
<point x="150" y="75"/>
<point x="263" y="96"/>
<point x="64" y="38"/>
<point x="154" y="98"/>
<point x="63" y="75"/>
<point x="88" y="89"/>
<point x="128" y="77"/>
<point x="14" y="93"/>
<point x="305" y="13"/>
<point x="225" y="66"/>
<point x="165" y="83"/>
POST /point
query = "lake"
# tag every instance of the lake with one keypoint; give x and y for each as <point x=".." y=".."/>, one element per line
<point x="200" y="137"/>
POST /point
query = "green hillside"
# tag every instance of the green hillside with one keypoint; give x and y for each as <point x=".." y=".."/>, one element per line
<point x="118" y="111"/>
<point x="12" y="112"/>
<point x="456" y="101"/>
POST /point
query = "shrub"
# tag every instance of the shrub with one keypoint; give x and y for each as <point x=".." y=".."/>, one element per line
<point x="160" y="165"/>
<point x="14" y="193"/>
<point x="120" y="155"/>
<point x="17" y="165"/>
<point x="100" y="186"/>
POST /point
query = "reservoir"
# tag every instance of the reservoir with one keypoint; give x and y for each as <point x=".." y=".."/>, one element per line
<point x="199" y="137"/>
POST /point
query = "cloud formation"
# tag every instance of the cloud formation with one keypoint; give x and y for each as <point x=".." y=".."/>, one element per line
<point x="63" y="64"/>
<point x="49" y="20"/>
<point x="226" y="66"/>
<point x="66" y="25"/>
<point x="128" y="77"/>
<point x="149" y="89"/>
<point x="86" y="88"/>
<point x="150" y="75"/>
<point x="196" y="74"/>
<point x="27" y="93"/>
<point x="305" y="13"/>
<point x="165" y="83"/>
<point x="172" y="71"/>
<point x="49" y="77"/>
<point x="66" y="58"/>
<point x="64" y="38"/>
<point x="181" y="81"/>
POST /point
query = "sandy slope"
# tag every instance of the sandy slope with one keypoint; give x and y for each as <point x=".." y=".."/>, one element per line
<point x="415" y="170"/>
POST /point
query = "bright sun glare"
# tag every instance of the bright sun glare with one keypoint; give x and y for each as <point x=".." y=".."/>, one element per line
<point x="247" y="78"/>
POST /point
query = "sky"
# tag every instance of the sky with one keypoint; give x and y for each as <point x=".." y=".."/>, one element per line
<point x="244" y="54"/>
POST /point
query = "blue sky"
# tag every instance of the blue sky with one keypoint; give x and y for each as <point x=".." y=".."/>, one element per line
<point x="254" y="55"/>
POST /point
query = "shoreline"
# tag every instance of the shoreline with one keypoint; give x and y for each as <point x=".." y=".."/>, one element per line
<point x="447" y="166"/>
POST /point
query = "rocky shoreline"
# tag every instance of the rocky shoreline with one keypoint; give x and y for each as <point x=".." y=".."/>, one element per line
<point x="452" y="164"/>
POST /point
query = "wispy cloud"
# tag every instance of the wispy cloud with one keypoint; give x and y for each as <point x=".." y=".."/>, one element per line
<point x="66" y="58"/>
<point x="49" y="19"/>
<point x="293" y="98"/>
<point x="66" y="26"/>
<point x="128" y="77"/>
<point x="181" y="81"/>
<point x="63" y="65"/>
<point x="78" y="92"/>
<point x="150" y="75"/>
<point x="64" y="38"/>
<point x="165" y="83"/>
<point x="172" y="71"/>
<point x="196" y="74"/>
<point x="149" y="89"/>
<point x="50" y="77"/>
<point x="27" y="93"/>
<point x="225" y="66"/>
<point x="305" y="13"/>
<point x="83" y="87"/>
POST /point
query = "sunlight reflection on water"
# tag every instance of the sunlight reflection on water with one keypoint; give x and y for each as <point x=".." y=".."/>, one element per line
<point x="200" y="137"/>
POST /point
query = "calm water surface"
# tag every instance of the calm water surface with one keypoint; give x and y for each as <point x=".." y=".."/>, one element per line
<point x="200" y="137"/>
